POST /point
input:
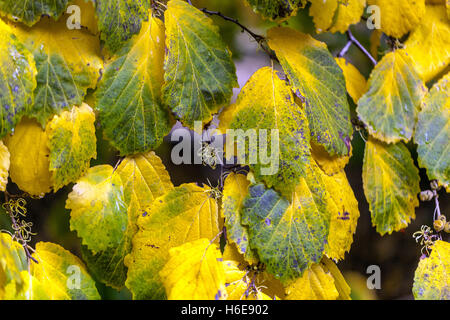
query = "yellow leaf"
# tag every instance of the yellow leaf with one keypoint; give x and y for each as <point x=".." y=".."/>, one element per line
<point x="391" y="185"/>
<point x="12" y="262"/>
<point x="185" y="213"/>
<point x="329" y="164"/>
<point x="88" y="16"/>
<point x="375" y="42"/>
<point x="400" y="16"/>
<point x="344" y="217"/>
<point x="317" y="283"/>
<point x="336" y="15"/>
<point x="340" y="283"/>
<point x="29" y="151"/>
<point x="54" y="270"/>
<point x="354" y="80"/>
<point x="429" y="44"/>
<point x="4" y="166"/>
<point x="144" y="177"/>
<point x="194" y="272"/>
<point x="432" y="276"/>
<point x="72" y="144"/>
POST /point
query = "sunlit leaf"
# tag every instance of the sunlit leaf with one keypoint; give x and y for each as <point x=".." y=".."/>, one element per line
<point x="329" y="164"/>
<point x="194" y="272"/>
<point x="354" y="80"/>
<point x="391" y="185"/>
<point x="390" y="106"/>
<point x="429" y="44"/>
<point x="129" y="98"/>
<point x="400" y="16"/>
<point x="185" y="213"/>
<point x="29" y="157"/>
<point x="276" y="9"/>
<point x="72" y="144"/>
<point x="318" y="81"/>
<point x="432" y="277"/>
<point x="432" y="134"/>
<point x="4" y="166"/>
<point x="336" y="15"/>
<point x="12" y="262"/>
<point x="98" y="211"/>
<point x="200" y="74"/>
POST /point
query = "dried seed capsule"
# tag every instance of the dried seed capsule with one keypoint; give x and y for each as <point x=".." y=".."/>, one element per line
<point x="447" y="227"/>
<point x="438" y="225"/>
<point x="434" y="185"/>
<point x="426" y="195"/>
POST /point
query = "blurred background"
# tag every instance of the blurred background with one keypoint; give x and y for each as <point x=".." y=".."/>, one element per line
<point x="397" y="254"/>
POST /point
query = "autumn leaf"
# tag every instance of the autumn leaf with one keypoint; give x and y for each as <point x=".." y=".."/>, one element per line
<point x="391" y="185"/>
<point x="390" y="106"/>
<point x="199" y="73"/>
<point x="4" y="166"/>
<point x="129" y="99"/>
<point x="30" y="11"/>
<point x="278" y="10"/>
<point x="318" y="81"/>
<point x="354" y="81"/>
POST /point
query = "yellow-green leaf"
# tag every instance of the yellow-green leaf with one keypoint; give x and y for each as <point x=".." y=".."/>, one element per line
<point x="266" y="103"/>
<point x="119" y="20"/>
<point x="98" y="209"/>
<point x="432" y="277"/>
<point x="278" y="10"/>
<point x="185" y="213"/>
<point x="17" y="71"/>
<point x="354" y="80"/>
<point x="144" y="178"/>
<point x="194" y="272"/>
<point x="12" y="262"/>
<point x="4" y="166"/>
<point x="432" y="134"/>
<point x="390" y="106"/>
<point x="72" y="144"/>
<point x="68" y="62"/>
<point x="61" y="274"/>
<point x="200" y="74"/>
<point x="336" y="15"/>
<point x="400" y="16"/>
<point x="129" y="94"/>
<point x="29" y="157"/>
<point x="391" y="185"/>
<point x="344" y="218"/>
<point x="318" y="81"/>
<point x="288" y="235"/>
<point x="30" y="11"/>
<point x="329" y="164"/>
<point x="429" y="44"/>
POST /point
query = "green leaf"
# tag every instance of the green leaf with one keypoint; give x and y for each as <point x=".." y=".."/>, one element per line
<point x="276" y="9"/>
<point x="68" y="62"/>
<point x="72" y="144"/>
<point x="431" y="280"/>
<point x="432" y="134"/>
<point x="183" y="214"/>
<point x="144" y="178"/>
<point x="266" y="103"/>
<point x="99" y="213"/>
<point x="119" y="20"/>
<point x="17" y="69"/>
<point x="57" y="268"/>
<point x="318" y="81"/>
<point x="30" y="11"/>
<point x="129" y="98"/>
<point x="390" y="106"/>
<point x="289" y="236"/>
<point x="200" y="74"/>
<point x="391" y="185"/>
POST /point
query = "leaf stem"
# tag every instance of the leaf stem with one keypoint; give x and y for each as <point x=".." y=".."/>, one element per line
<point x="353" y="40"/>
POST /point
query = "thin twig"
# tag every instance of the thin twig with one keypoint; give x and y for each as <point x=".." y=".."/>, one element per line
<point x="258" y="38"/>
<point x="353" y="40"/>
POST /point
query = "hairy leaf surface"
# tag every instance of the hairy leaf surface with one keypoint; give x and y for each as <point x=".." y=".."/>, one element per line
<point x="391" y="185"/>
<point x="200" y="74"/>
<point x="318" y="81"/>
